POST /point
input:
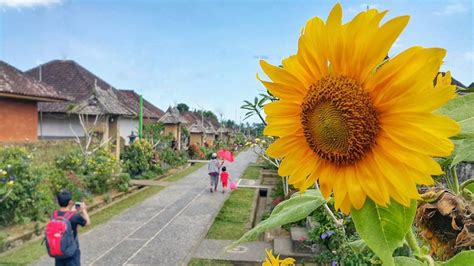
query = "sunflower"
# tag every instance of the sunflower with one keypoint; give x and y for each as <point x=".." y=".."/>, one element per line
<point x="356" y="122"/>
<point x="272" y="261"/>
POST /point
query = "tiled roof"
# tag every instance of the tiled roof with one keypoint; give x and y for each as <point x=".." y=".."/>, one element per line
<point x="191" y="117"/>
<point x="195" y="116"/>
<point x="89" y="94"/>
<point x="16" y="83"/>
<point x="131" y="99"/>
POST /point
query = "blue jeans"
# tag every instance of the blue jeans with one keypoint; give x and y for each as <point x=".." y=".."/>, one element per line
<point x="72" y="261"/>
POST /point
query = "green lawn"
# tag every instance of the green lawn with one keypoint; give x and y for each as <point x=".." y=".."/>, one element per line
<point x="252" y="171"/>
<point x="33" y="250"/>
<point x="202" y="262"/>
<point x="232" y="219"/>
<point x="185" y="172"/>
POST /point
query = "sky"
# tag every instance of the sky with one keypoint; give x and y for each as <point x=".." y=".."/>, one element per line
<point x="205" y="52"/>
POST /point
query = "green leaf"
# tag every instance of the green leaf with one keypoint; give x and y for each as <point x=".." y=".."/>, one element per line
<point x="384" y="229"/>
<point x="464" y="152"/>
<point x="467" y="128"/>
<point x="358" y="246"/>
<point x="298" y="207"/>
<point x="407" y="261"/>
<point x="459" y="108"/>
<point x="464" y="258"/>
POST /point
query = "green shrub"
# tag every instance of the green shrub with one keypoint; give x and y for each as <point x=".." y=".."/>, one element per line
<point x="207" y="152"/>
<point x="59" y="180"/>
<point x="139" y="158"/>
<point x="72" y="161"/>
<point x="122" y="182"/>
<point x="173" y="158"/>
<point x="96" y="170"/>
<point x="30" y="198"/>
<point x="336" y="241"/>
<point x="99" y="170"/>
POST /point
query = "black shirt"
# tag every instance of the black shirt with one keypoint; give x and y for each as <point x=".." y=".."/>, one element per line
<point x="75" y="220"/>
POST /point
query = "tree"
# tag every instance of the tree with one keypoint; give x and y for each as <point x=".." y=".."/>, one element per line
<point x="182" y="107"/>
<point x="210" y="115"/>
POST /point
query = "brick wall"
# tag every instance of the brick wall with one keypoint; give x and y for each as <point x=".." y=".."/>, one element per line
<point x="18" y="120"/>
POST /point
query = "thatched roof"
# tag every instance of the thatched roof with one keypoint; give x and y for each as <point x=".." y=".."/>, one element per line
<point x="16" y="84"/>
<point x="196" y="128"/>
<point x="172" y="116"/>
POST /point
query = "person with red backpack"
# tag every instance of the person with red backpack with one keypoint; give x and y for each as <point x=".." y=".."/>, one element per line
<point x="61" y="231"/>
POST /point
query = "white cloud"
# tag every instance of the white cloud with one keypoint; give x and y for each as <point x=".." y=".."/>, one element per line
<point x="469" y="56"/>
<point x="28" y="3"/>
<point x="452" y="9"/>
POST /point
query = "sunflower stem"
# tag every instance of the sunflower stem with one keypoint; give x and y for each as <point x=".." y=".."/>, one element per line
<point x="412" y="243"/>
<point x="465" y="184"/>
<point x="328" y="210"/>
<point x="455" y="179"/>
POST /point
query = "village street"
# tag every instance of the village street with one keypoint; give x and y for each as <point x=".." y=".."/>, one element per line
<point x="163" y="230"/>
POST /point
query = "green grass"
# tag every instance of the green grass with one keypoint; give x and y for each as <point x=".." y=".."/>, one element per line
<point x="185" y="172"/>
<point x="252" y="171"/>
<point x="232" y="219"/>
<point x="203" y="262"/>
<point x="33" y="250"/>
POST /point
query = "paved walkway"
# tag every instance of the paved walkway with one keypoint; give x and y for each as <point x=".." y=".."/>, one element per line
<point x="164" y="229"/>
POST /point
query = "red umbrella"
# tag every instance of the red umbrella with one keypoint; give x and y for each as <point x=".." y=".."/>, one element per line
<point x="226" y="155"/>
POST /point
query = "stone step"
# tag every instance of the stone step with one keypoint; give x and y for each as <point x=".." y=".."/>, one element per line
<point x="283" y="246"/>
<point x="299" y="238"/>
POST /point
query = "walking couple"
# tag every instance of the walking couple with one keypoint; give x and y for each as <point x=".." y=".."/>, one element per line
<point x="214" y="168"/>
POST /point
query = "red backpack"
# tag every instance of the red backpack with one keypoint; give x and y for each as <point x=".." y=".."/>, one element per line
<point x="59" y="236"/>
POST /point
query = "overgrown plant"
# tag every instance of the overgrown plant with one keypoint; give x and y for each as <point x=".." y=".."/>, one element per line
<point x="139" y="158"/>
<point x="29" y="197"/>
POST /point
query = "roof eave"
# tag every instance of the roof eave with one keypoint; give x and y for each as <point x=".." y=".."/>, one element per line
<point x="30" y="97"/>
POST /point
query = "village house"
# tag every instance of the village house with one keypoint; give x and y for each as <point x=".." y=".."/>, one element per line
<point x="151" y="113"/>
<point x="92" y="98"/>
<point x="196" y="134"/>
<point x="202" y="131"/>
<point x="173" y="122"/>
<point x="19" y="98"/>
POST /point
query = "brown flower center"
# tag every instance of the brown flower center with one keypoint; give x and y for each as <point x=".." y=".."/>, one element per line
<point x="339" y="120"/>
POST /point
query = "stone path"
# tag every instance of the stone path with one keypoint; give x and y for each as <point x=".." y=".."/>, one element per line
<point x="164" y="229"/>
<point x="213" y="249"/>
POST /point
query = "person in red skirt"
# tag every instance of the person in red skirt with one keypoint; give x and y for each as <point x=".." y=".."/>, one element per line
<point x="225" y="177"/>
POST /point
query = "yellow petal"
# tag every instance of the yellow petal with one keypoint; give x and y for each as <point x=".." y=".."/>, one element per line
<point x="354" y="189"/>
<point x="423" y="163"/>
<point x="374" y="186"/>
<point x="340" y="188"/>
<point x="282" y="108"/>
<point x="292" y="65"/>
<point x="284" y="92"/>
<point x="312" y="48"/>
<point x="280" y="75"/>
<point x="437" y="125"/>
<point x="284" y="145"/>
<point x="424" y="142"/>
<point x="335" y="43"/>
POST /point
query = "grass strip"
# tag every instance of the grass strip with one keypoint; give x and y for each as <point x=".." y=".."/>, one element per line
<point x="252" y="171"/>
<point x="33" y="250"/>
<point x="185" y="172"/>
<point x="203" y="262"/>
<point x="232" y="219"/>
